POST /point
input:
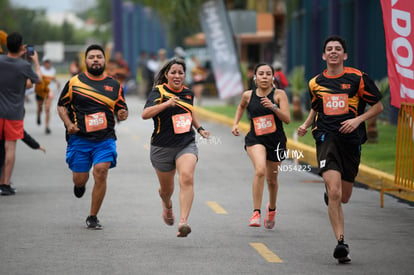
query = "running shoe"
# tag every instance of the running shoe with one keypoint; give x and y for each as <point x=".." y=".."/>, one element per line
<point x="183" y="230"/>
<point x="269" y="221"/>
<point x="7" y="190"/>
<point x="167" y="214"/>
<point x="79" y="191"/>
<point x="344" y="260"/>
<point x="92" y="222"/>
<point x="255" y="219"/>
<point x="341" y="252"/>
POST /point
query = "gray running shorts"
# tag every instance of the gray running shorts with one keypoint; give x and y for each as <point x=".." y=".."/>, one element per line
<point x="163" y="158"/>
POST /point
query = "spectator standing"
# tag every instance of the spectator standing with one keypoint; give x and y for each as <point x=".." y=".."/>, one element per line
<point x="198" y="74"/>
<point x="15" y="74"/>
<point x="74" y="67"/>
<point x="122" y="70"/>
<point x="280" y="79"/>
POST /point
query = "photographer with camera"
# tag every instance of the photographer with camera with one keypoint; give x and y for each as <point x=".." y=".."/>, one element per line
<point x="15" y="75"/>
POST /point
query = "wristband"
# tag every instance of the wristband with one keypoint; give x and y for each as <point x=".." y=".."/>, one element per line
<point x="275" y="107"/>
<point x="199" y="129"/>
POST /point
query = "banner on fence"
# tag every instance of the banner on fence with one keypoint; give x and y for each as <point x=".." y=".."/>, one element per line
<point x="398" y="17"/>
<point x="221" y="46"/>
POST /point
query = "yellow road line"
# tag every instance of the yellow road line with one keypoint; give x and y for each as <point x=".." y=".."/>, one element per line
<point x="216" y="207"/>
<point x="266" y="253"/>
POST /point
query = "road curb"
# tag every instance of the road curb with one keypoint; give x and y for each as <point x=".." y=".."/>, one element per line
<point x="370" y="177"/>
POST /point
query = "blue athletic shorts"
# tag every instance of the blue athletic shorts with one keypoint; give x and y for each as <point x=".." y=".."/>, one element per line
<point x="82" y="153"/>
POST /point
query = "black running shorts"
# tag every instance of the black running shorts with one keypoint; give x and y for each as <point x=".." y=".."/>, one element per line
<point x="335" y="154"/>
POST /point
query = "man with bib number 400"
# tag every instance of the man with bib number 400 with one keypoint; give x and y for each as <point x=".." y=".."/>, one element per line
<point x="339" y="96"/>
<point x="87" y="106"/>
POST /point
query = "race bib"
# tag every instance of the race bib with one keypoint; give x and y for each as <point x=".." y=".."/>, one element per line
<point x="95" y="122"/>
<point x="336" y="104"/>
<point x="182" y="123"/>
<point x="264" y="125"/>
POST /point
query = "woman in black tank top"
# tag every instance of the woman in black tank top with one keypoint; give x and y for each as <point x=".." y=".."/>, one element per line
<point x="265" y="143"/>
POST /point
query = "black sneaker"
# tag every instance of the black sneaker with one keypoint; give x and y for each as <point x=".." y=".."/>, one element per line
<point x="38" y="120"/>
<point x="47" y="131"/>
<point x="341" y="253"/>
<point x="7" y="190"/>
<point x="79" y="191"/>
<point x="92" y="222"/>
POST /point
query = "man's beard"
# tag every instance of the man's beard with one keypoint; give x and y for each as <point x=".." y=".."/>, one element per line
<point x="96" y="71"/>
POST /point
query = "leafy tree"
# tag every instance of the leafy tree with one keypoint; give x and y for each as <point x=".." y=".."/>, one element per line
<point x="7" y="21"/>
<point x="180" y="16"/>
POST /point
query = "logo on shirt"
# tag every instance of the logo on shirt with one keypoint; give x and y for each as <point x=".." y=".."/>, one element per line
<point x="322" y="163"/>
<point x="108" y="88"/>
<point x="345" y="86"/>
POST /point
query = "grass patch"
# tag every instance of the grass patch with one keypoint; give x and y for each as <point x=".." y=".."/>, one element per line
<point x="380" y="155"/>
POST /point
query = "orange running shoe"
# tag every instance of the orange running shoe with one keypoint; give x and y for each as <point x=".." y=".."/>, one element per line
<point x="255" y="219"/>
<point x="269" y="221"/>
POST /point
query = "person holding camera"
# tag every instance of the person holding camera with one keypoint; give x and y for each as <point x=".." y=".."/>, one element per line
<point x="15" y="75"/>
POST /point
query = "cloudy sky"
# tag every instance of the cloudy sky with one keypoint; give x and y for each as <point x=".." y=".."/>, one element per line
<point x="53" y="6"/>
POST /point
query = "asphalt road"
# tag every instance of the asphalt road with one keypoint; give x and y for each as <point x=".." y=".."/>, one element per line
<point x="42" y="227"/>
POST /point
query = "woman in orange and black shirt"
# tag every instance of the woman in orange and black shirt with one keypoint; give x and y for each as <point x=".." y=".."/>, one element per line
<point x="173" y="147"/>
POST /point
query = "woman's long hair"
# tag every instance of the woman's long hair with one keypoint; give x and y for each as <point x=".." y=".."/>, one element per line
<point x="160" y="77"/>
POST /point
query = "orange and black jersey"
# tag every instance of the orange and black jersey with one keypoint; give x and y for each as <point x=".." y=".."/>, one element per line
<point x="92" y="105"/>
<point x="165" y="133"/>
<point x="341" y="97"/>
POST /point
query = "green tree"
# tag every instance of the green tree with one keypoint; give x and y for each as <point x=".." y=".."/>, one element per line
<point x="180" y="16"/>
<point x="7" y="21"/>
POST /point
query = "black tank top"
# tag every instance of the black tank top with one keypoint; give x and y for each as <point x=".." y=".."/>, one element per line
<point x="255" y="109"/>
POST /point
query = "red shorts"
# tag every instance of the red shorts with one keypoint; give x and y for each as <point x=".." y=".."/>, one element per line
<point x="11" y="129"/>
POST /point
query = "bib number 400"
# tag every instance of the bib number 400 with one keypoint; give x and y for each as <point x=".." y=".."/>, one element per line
<point x="335" y="104"/>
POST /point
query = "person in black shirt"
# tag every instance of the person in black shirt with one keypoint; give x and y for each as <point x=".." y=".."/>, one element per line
<point x="87" y="106"/>
<point x="173" y="147"/>
<point x="339" y="96"/>
<point x="267" y="109"/>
